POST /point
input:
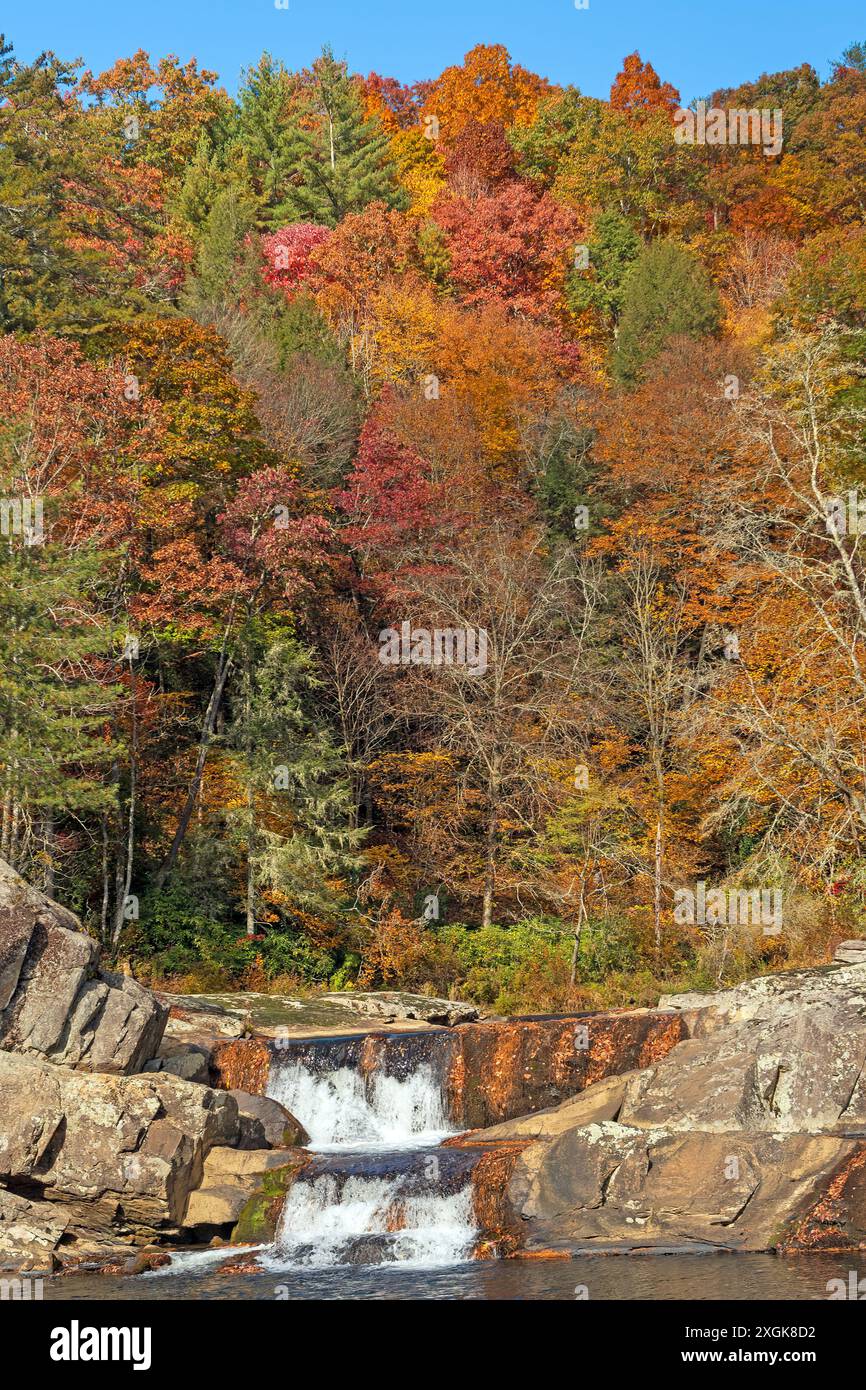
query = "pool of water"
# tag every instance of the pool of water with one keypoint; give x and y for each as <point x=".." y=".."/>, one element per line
<point x="743" y="1278"/>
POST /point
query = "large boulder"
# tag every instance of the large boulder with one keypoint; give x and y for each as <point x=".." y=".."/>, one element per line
<point x="266" y="1124"/>
<point x="120" y="1154"/>
<point x="30" y="1232"/>
<point x="611" y="1186"/>
<point x="192" y="1032"/>
<point x="850" y="952"/>
<point x="192" y="1063"/>
<point x="231" y="1177"/>
<point x="106" y="1130"/>
<point x="54" y="1000"/>
<point x="782" y="1053"/>
<point x="748" y="1135"/>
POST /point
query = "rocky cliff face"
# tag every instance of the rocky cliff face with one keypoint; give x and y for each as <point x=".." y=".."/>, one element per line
<point x="749" y="1135"/>
<point x="55" y="1002"/>
<point x="98" y="1155"/>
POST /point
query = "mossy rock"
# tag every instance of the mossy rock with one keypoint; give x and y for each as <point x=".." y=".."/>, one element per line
<point x="261" y="1213"/>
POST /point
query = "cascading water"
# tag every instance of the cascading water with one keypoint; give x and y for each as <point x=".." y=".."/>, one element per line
<point x="343" y="1104"/>
<point x="379" y="1190"/>
<point x="406" y="1207"/>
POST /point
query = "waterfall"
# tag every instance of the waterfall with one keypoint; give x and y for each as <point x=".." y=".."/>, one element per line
<point x="343" y="1103"/>
<point x="408" y="1207"/>
<point x="380" y="1188"/>
<point x="379" y="1191"/>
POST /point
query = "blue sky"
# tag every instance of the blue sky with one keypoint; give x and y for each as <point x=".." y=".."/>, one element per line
<point x="697" y="46"/>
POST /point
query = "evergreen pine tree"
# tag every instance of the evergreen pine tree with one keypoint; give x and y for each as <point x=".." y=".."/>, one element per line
<point x="53" y="706"/>
<point x="339" y="158"/>
<point x="38" y="271"/>
<point x="221" y="249"/>
<point x="220" y="162"/>
<point x="666" y="292"/>
<point x="296" y="819"/>
<point x="613" y="247"/>
<point x="264" y="133"/>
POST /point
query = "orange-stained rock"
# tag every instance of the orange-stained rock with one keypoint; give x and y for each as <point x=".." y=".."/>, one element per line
<point x="496" y="1218"/>
<point x="241" y="1065"/>
<point x="837" y="1220"/>
<point x="500" y="1070"/>
<point x="492" y="1071"/>
<point x="545" y="1255"/>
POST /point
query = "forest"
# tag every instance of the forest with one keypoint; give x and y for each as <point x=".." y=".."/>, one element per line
<point x="431" y="523"/>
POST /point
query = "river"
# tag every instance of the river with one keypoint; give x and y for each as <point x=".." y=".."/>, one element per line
<point x="385" y="1211"/>
<point x="746" y="1278"/>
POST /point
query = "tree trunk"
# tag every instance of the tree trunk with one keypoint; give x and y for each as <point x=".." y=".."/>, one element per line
<point x="251" y="889"/>
<point x="106" y="892"/>
<point x="120" y="905"/>
<point x="48" y="849"/>
<point x="14" y="832"/>
<point x="7" y="819"/>
<point x="251" y="879"/>
<point x="657" y="888"/>
<point x="195" y="783"/>
<point x="490" y="843"/>
<point x="578" y="931"/>
<point x="250" y="798"/>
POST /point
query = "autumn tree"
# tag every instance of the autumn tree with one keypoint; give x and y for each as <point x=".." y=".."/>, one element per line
<point x="791" y="707"/>
<point x="503" y="726"/>
<point x="652" y="678"/>
<point x="512" y="246"/>
<point x="480" y="159"/>
<point x="74" y="446"/>
<point x="486" y="87"/>
<point x="596" y="158"/>
<point x="638" y="89"/>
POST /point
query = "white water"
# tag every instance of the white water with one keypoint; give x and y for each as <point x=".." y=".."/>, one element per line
<point x="343" y="1109"/>
<point x="322" y="1220"/>
<point x="395" y="1213"/>
<point x="381" y="1217"/>
<point x="182" y="1261"/>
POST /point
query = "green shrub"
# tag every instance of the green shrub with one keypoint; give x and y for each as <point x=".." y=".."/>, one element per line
<point x="175" y="937"/>
<point x="607" y="945"/>
<point x="494" y="963"/>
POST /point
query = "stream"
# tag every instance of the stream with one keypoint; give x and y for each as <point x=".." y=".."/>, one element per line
<point x="384" y="1211"/>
